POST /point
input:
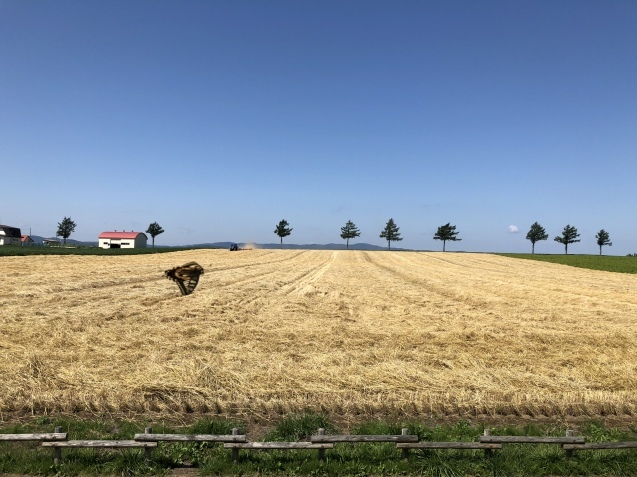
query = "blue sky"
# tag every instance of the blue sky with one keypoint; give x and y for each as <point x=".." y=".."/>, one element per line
<point x="217" y="119"/>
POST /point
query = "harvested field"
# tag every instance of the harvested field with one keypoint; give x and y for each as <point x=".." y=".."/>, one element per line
<point x="348" y="332"/>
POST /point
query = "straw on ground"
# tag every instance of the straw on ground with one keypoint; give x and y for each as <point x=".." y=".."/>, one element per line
<point x="274" y="331"/>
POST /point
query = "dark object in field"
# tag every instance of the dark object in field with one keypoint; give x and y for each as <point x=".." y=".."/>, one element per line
<point x="186" y="276"/>
<point x="234" y="247"/>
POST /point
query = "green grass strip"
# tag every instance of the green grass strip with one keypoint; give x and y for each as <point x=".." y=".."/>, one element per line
<point x="9" y="251"/>
<point x="593" y="262"/>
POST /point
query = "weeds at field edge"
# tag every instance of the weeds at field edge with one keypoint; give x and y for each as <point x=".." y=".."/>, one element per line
<point x="344" y="460"/>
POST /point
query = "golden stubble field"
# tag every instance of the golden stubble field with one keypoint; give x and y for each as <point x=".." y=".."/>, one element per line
<point x="346" y="332"/>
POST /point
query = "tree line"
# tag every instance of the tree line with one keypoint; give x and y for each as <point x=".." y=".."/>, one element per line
<point x="391" y="233"/>
<point x="569" y="236"/>
<point x="447" y="232"/>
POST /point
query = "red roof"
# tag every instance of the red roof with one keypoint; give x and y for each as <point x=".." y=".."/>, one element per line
<point x="120" y="235"/>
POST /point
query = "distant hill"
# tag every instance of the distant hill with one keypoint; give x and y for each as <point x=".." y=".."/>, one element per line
<point x="38" y="239"/>
<point x="292" y="246"/>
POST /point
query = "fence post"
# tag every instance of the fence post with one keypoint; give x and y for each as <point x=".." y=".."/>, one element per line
<point x="148" y="452"/>
<point x="487" y="452"/>
<point x="235" y="452"/>
<point x="405" y="453"/>
<point x="569" y="453"/>
<point x="57" y="451"/>
<point x="321" y="452"/>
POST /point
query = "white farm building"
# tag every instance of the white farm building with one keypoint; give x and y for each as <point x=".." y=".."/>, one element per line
<point x="122" y="240"/>
<point x="10" y="235"/>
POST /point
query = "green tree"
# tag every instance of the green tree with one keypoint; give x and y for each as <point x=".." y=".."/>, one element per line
<point x="283" y="230"/>
<point x="154" y="230"/>
<point x="536" y="234"/>
<point x="65" y="228"/>
<point x="349" y="231"/>
<point x="391" y="233"/>
<point x="603" y="238"/>
<point x="569" y="235"/>
<point x="447" y="232"/>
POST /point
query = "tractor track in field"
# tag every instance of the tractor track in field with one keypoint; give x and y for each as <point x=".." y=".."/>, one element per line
<point x="309" y="277"/>
<point x="257" y="265"/>
<point x="256" y="272"/>
<point x="291" y="283"/>
<point x="509" y="283"/>
<point x="76" y="284"/>
<point x="427" y="286"/>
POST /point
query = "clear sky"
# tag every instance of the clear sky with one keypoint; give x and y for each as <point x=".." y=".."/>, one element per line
<point x="217" y="119"/>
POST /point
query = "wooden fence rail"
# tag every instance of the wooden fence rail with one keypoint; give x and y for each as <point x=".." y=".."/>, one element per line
<point x="602" y="446"/>
<point x="59" y="445"/>
<point x="50" y="436"/>
<point x="148" y="441"/>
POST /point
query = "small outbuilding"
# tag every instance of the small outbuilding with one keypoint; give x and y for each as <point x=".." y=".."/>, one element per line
<point x="122" y="239"/>
<point x="10" y="235"/>
<point x="27" y="241"/>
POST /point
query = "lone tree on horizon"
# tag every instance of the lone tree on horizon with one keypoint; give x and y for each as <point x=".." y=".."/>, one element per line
<point x="536" y="234"/>
<point x="446" y="232"/>
<point x="65" y="228"/>
<point x="603" y="238"/>
<point x="349" y="231"/>
<point x="283" y="230"/>
<point x="154" y="230"/>
<point x="391" y="233"/>
<point x="569" y="235"/>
